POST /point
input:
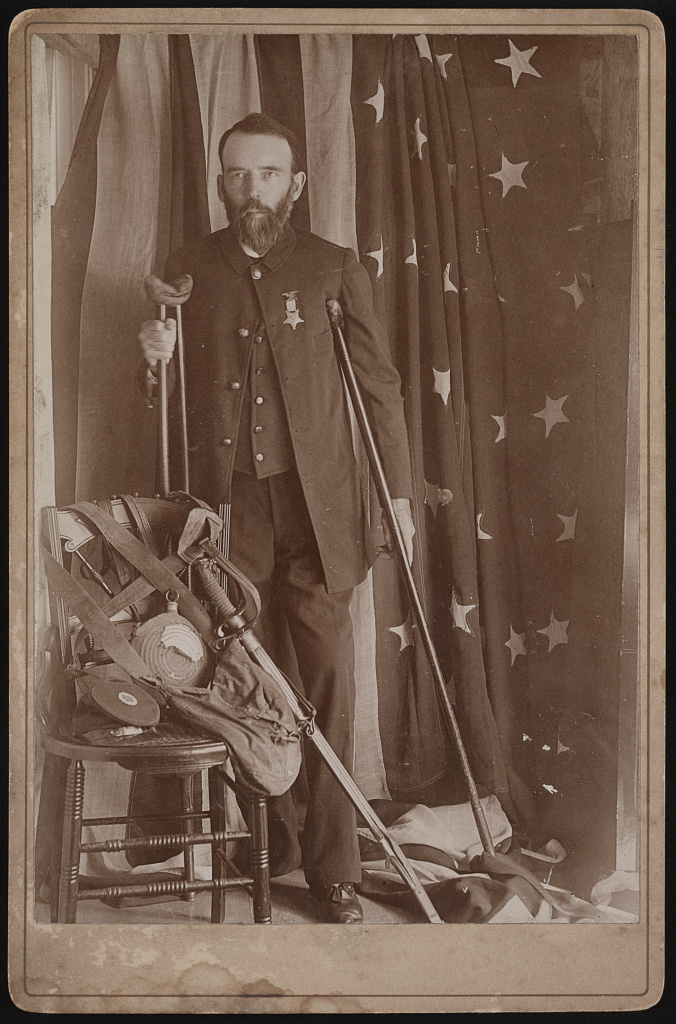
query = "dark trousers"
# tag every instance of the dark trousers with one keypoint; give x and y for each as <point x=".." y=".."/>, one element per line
<point x="272" y="542"/>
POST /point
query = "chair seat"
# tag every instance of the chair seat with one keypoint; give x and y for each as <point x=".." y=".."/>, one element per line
<point x="170" y="747"/>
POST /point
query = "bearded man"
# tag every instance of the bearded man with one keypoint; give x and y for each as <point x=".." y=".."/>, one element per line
<point x="269" y="433"/>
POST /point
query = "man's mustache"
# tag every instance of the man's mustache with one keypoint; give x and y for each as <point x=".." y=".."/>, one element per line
<point x="254" y="206"/>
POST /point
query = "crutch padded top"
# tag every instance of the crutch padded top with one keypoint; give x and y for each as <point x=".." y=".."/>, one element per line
<point x="169" y="293"/>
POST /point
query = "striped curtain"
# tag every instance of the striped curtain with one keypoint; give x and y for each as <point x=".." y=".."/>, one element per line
<point x="467" y="174"/>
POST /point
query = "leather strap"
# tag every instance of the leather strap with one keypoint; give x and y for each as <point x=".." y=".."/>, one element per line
<point x="140" y="520"/>
<point x="139" y="589"/>
<point x="120" y="566"/>
<point x="105" y="634"/>
<point x="155" y="571"/>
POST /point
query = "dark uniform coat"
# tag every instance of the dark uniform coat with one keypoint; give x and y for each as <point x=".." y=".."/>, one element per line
<point x="237" y="298"/>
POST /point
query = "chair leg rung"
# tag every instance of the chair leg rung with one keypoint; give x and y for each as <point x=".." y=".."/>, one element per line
<point x="159" y="842"/>
<point x="173" y="887"/>
<point x="67" y="892"/>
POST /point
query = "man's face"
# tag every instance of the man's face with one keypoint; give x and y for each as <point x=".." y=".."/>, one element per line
<point x="257" y="187"/>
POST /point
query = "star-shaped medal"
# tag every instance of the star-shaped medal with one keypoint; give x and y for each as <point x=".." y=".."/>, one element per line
<point x="293" y="317"/>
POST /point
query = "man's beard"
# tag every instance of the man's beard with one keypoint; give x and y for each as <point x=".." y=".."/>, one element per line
<point x="260" y="231"/>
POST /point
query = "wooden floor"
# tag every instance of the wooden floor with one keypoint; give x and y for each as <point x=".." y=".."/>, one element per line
<point x="291" y="904"/>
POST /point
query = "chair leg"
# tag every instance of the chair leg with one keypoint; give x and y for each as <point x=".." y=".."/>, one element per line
<point x="260" y="860"/>
<point x="52" y="788"/>
<point x="57" y="838"/>
<point x="218" y="824"/>
<point x="187" y="807"/>
<point x="66" y="899"/>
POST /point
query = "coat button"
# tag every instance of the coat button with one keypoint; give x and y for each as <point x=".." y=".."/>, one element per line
<point x="256" y="274"/>
<point x="258" y="339"/>
<point x="258" y="430"/>
<point x="243" y="333"/>
<point x="226" y="441"/>
<point x="259" y="457"/>
<point x="234" y="385"/>
<point x="259" y="400"/>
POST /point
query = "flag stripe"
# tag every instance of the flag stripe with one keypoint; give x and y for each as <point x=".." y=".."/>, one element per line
<point x="130" y="237"/>
<point x="227" y="84"/>
<point x="282" y="97"/>
<point x="327" y="71"/>
<point x="72" y="225"/>
<point x="189" y="203"/>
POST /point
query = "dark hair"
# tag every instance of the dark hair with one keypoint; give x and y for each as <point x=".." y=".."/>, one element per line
<point x="261" y="124"/>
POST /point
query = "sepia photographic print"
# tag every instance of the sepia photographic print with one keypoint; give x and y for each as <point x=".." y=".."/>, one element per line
<point x="337" y="510"/>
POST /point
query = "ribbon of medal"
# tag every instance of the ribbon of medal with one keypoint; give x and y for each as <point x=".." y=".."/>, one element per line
<point x="293" y="317"/>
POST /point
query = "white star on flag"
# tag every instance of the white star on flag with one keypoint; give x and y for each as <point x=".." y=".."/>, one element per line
<point x="516" y="644"/>
<point x="423" y="47"/>
<point x="550" y="789"/>
<point x="519" y="62"/>
<point x="510" y="175"/>
<point x="442" y="59"/>
<point x="552" y="413"/>
<point x="555" y="632"/>
<point x="442" y="383"/>
<point x="420" y="139"/>
<point x="574" y="290"/>
<point x="460" y="613"/>
<point x="413" y="258"/>
<point x="448" y="284"/>
<point x="502" y="424"/>
<point x="378" y="255"/>
<point x="377" y="101"/>
<point x="432" y="496"/>
<point x="481" y="534"/>
<point x="435" y="496"/>
<point x="560" y="748"/>
<point x="568" y="526"/>
<point x="404" y="632"/>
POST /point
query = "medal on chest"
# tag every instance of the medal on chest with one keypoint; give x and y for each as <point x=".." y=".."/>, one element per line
<point x="293" y="317"/>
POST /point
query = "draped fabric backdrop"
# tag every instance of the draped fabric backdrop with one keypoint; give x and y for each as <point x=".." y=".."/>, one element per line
<point x="478" y="180"/>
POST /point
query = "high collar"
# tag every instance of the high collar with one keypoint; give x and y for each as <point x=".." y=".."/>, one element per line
<point x="239" y="260"/>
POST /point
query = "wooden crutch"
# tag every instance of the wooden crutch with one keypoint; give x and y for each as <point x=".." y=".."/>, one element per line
<point x="173" y="293"/>
<point x="352" y="386"/>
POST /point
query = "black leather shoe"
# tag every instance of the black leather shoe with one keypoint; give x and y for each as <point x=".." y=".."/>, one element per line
<point x="338" y="903"/>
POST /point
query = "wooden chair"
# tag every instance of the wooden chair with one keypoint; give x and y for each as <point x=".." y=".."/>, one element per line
<point x="173" y="749"/>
